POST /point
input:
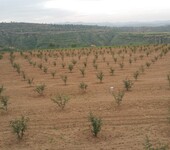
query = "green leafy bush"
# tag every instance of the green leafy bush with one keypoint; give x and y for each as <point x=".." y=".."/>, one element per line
<point x="136" y="75"/>
<point x="19" y="126"/>
<point x="64" y="78"/>
<point x="148" y="145"/>
<point x="100" y="76"/>
<point x="70" y="67"/>
<point x="83" y="86"/>
<point x="128" y="84"/>
<point x="112" y="71"/>
<point x="1" y="89"/>
<point x="40" y="89"/>
<point x="61" y="100"/>
<point x="53" y="73"/>
<point x="4" y="102"/>
<point x="96" y="124"/>
<point x="118" y="97"/>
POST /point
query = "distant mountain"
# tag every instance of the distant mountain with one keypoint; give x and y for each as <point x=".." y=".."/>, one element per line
<point x="125" y="24"/>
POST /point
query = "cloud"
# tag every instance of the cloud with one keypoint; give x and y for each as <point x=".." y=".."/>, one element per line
<point x="55" y="11"/>
<point x="31" y="11"/>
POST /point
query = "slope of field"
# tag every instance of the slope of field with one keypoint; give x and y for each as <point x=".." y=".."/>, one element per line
<point x="143" y="111"/>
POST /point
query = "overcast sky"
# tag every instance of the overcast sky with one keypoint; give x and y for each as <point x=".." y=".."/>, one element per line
<point x="59" y="11"/>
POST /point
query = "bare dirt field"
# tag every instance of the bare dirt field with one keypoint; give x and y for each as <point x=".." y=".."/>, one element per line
<point x="143" y="111"/>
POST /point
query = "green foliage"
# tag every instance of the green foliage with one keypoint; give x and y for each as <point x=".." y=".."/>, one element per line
<point x="1" y="56"/>
<point x="19" y="126"/>
<point x="70" y="67"/>
<point x="118" y="97"/>
<point x="127" y="84"/>
<point x="100" y="76"/>
<point x="4" y="102"/>
<point x="83" y="86"/>
<point x="55" y="36"/>
<point x="61" y="100"/>
<point x="1" y="89"/>
<point x="64" y="78"/>
<point x="40" y="89"/>
<point x="148" y="145"/>
<point x="96" y="124"/>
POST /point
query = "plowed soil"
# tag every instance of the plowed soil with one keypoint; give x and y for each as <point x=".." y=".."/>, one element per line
<point x="143" y="111"/>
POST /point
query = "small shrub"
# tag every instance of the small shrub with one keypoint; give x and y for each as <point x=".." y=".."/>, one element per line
<point x="40" y="66"/>
<point x="70" y="67"/>
<point x="85" y="64"/>
<point x="82" y="70"/>
<point x="168" y="116"/>
<point x="45" y="69"/>
<point x="130" y="61"/>
<point x="136" y="75"/>
<point x="148" y="64"/>
<point x="1" y="89"/>
<point x="4" y="102"/>
<point x="100" y="76"/>
<point x="19" y="126"/>
<point x="121" y="65"/>
<point x="148" y="145"/>
<point x="53" y="73"/>
<point x="96" y="124"/>
<point x="60" y="100"/>
<point x="168" y="78"/>
<point x="23" y="75"/>
<point x="30" y="81"/>
<point x="74" y="62"/>
<point x="64" y="78"/>
<point x="112" y="71"/>
<point x="118" y="97"/>
<point x="115" y="59"/>
<point x="63" y="65"/>
<point x="95" y="66"/>
<point x="142" y="69"/>
<point x="54" y="63"/>
<point x="1" y="56"/>
<point x="83" y="86"/>
<point x="40" y="89"/>
<point x="128" y="84"/>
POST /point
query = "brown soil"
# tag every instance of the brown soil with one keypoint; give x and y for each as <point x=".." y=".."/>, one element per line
<point x="143" y="111"/>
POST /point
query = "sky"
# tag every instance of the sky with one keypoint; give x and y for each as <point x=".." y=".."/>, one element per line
<point x="87" y="11"/>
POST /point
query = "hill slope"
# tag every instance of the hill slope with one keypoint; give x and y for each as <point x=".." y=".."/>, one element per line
<point x="31" y="36"/>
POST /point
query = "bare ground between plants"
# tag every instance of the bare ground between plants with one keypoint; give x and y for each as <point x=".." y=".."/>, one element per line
<point x="143" y="111"/>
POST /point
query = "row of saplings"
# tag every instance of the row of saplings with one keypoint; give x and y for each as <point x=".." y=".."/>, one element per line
<point x="19" y="125"/>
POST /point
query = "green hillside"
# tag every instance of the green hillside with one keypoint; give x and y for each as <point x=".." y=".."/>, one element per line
<point x="40" y="36"/>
